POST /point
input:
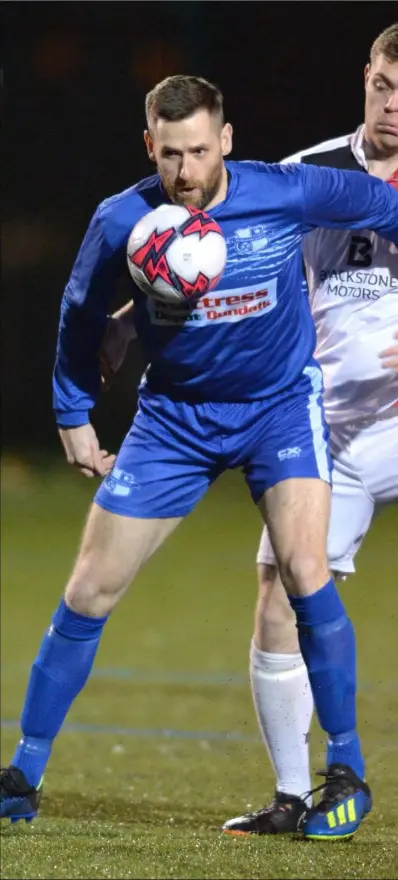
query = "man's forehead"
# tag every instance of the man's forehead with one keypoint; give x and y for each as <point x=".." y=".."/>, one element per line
<point x="193" y="128"/>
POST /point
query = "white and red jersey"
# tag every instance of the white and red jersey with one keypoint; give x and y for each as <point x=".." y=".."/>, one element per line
<point x="353" y="285"/>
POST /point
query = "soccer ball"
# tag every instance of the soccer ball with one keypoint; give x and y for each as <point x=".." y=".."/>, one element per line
<point x="176" y="253"/>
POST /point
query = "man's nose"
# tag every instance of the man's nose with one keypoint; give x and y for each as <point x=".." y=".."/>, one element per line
<point x="392" y="103"/>
<point x="185" y="168"/>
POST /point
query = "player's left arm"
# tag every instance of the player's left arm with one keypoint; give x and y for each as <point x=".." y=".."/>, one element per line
<point x="389" y="357"/>
<point x="347" y="200"/>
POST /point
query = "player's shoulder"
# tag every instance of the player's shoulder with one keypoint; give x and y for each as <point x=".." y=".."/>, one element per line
<point x="119" y="213"/>
<point x="253" y="171"/>
<point x="335" y="152"/>
<point x="145" y="191"/>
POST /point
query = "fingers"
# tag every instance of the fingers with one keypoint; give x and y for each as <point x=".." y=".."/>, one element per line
<point x="389" y="352"/>
<point x="389" y="358"/>
<point x="85" y="471"/>
<point x="100" y="465"/>
<point x="108" y="460"/>
<point x="96" y="460"/>
<point x="103" y="462"/>
<point x="390" y="363"/>
<point x="82" y="451"/>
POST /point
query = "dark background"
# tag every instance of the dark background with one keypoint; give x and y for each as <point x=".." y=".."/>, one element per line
<point x="75" y="77"/>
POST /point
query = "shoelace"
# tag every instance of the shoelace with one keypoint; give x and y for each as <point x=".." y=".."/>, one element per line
<point x="5" y="778"/>
<point x="274" y="805"/>
<point x="334" y="788"/>
<point x="8" y="782"/>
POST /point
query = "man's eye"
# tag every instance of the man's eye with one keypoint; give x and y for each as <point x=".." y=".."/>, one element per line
<point x="380" y="85"/>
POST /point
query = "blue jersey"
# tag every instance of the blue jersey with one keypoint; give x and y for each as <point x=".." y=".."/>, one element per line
<point x="251" y="337"/>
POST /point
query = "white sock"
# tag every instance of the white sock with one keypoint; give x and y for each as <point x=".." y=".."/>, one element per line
<point x="284" y="705"/>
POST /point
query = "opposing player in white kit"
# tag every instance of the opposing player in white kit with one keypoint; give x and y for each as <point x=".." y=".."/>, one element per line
<point x="353" y="285"/>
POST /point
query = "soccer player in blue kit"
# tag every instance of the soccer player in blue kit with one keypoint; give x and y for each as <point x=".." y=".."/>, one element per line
<point x="234" y="388"/>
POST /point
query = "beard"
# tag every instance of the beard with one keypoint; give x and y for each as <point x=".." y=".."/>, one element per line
<point x="202" y="193"/>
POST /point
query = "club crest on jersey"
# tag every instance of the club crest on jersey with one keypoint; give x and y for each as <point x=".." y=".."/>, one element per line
<point x="250" y="239"/>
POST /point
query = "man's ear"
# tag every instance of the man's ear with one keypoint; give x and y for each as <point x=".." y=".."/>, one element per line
<point x="226" y="139"/>
<point x="149" y="145"/>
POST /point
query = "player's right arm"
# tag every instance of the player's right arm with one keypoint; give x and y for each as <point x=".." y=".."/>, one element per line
<point x="337" y="199"/>
<point x="83" y="319"/>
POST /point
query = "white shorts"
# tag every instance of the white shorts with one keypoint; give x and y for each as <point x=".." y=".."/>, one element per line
<point x="365" y="476"/>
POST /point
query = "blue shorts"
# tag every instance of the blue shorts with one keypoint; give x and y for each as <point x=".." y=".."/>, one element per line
<point x="176" y="449"/>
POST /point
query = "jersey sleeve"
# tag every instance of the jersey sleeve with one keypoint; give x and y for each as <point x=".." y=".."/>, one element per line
<point x="347" y="200"/>
<point x="84" y="310"/>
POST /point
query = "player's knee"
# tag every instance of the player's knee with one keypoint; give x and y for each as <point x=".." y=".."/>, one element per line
<point x="304" y="572"/>
<point x="92" y="597"/>
<point x="94" y="589"/>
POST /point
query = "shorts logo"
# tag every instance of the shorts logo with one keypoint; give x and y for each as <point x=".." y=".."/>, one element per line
<point x="120" y="483"/>
<point x="290" y="452"/>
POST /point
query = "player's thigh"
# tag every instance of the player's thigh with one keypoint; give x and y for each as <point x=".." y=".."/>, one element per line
<point x="113" y="549"/>
<point x="163" y="468"/>
<point x="351" y="514"/>
<point x="289" y="477"/>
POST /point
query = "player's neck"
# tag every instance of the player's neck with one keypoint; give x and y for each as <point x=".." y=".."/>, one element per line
<point x="221" y="192"/>
<point x="380" y="163"/>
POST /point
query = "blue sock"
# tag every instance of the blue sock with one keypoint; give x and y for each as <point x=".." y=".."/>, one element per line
<point x="327" y="643"/>
<point x="58" y="674"/>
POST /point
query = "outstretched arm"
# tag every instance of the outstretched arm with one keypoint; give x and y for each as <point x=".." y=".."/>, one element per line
<point x="347" y="200"/>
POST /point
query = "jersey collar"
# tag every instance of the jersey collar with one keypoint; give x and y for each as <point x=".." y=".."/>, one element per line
<point x="357" y="144"/>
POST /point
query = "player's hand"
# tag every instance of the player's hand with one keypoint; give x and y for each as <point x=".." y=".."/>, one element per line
<point x="83" y="451"/>
<point x="119" y="332"/>
<point x="389" y="357"/>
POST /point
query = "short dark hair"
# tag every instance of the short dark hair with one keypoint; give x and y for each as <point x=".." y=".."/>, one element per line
<point x="386" y="44"/>
<point x="178" y="97"/>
